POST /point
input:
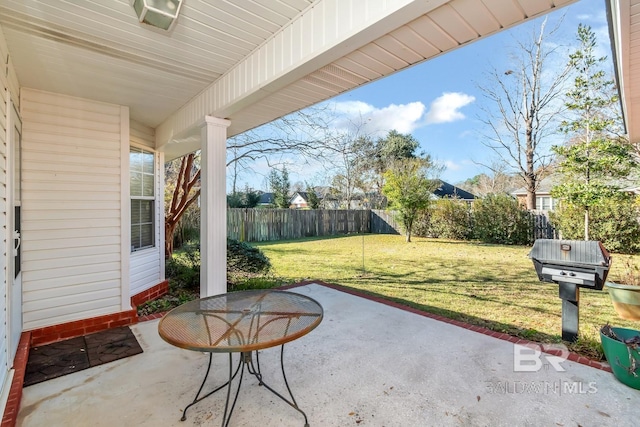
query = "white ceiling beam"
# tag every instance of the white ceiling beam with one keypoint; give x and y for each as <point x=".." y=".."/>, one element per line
<point x="323" y="33"/>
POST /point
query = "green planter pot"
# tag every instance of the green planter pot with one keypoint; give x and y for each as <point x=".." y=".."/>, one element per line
<point x="617" y="354"/>
<point x="626" y="300"/>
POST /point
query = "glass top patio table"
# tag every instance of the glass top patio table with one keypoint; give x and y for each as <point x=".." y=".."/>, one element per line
<point x="241" y="321"/>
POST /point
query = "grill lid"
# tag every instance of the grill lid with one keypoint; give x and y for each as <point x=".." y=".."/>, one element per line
<point x="570" y="252"/>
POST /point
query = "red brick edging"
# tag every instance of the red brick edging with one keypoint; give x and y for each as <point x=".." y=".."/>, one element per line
<point x="10" y="415"/>
<point x="26" y="339"/>
<point x="73" y="329"/>
<point x="82" y="327"/>
<point x="150" y="294"/>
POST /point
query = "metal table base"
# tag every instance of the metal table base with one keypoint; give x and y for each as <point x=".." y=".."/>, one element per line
<point x="246" y="361"/>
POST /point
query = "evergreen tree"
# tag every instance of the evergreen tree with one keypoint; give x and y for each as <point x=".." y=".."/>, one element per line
<point x="279" y="184"/>
<point x="312" y="197"/>
<point x="595" y="159"/>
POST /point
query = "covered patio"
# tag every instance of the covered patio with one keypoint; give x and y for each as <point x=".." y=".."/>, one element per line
<point x="94" y="102"/>
<point x="368" y="363"/>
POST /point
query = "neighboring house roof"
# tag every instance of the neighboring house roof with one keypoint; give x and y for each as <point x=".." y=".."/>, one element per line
<point x="546" y="184"/>
<point x="448" y="190"/>
<point x="266" y="199"/>
<point x="303" y="194"/>
<point x="544" y="187"/>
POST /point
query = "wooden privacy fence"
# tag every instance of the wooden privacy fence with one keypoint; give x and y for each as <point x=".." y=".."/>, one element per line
<point x="260" y="225"/>
<point x="541" y="226"/>
<point x="384" y="222"/>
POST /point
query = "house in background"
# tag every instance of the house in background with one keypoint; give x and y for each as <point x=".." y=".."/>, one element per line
<point x="544" y="200"/>
<point x="93" y="103"/>
<point x="266" y="200"/>
<point x="446" y="190"/>
<point x="299" y="200"/>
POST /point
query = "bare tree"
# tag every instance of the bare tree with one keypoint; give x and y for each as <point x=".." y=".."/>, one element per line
<point x="349" y="163"/>
<point x="526" y="104"/>
<point x="496" y="181"/>
<point x="305" y="134"/>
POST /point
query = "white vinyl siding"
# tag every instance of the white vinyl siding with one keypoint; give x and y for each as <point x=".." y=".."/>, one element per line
<point x="4" y="302"/>
<point x="147" y="265"/>
<point x="142" y="135"/>
<point x="71" y="208"/>
<point x="9" y="90"/>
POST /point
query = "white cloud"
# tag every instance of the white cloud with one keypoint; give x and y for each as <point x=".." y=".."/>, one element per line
<point x="445" y="108"/>
<point x="404" y="118"/>
<point x="452" y="166"/>
<point x="353" y="108"/>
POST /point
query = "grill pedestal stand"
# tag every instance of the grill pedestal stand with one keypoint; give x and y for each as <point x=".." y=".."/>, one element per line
<point x="570" y="295"/>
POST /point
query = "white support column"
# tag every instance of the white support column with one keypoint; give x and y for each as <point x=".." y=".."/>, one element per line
<point x="213" y="207"/>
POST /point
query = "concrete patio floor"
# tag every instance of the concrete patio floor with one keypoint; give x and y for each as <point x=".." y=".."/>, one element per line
<point x="367" y="364"/>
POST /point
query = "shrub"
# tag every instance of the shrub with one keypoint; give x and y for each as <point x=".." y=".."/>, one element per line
<point x="244" y="258"/>
<point x="450" y="219"/>
<point x="614" y="222"/>
<point x="498" y="218"/>
<point x="422" y="223"/>
<point x="184" y="267"/>
<point x="188" y="228"/>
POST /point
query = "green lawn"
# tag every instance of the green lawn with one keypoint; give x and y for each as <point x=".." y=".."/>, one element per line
<point x="488" y="285"/>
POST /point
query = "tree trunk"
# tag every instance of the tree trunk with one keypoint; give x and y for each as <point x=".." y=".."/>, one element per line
<point x="181" y="200"/>
<point x="586" y="224"/>
<point x="531" y="200"/>
<point x="531" y="190"/>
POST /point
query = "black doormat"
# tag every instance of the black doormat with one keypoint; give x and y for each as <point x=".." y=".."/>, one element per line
<point x="75" y="354"/>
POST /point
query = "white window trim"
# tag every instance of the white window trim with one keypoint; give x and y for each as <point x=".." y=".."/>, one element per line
<point x="156" y="205"/>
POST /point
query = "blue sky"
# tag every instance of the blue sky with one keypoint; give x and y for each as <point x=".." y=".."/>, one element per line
<point x="439" y="101"/>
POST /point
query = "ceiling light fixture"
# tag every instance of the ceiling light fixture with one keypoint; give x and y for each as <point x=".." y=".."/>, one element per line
<point x="158" y="13"/>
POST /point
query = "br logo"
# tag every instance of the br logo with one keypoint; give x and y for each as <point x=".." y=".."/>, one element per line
<point x="532" y="358"/>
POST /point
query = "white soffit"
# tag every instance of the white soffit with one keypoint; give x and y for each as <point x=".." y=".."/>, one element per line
<point x="96" y="49"/>
<point x="444" y="28"/>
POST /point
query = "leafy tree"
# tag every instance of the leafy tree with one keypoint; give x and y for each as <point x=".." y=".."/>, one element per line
<point x="312" y="197"/>
<point x="524" y="109"/>
<point x="613" y="221"/>
<point x="248" y="198"/>
<point x="396" y="146"/>
<point x="595" y="157"/>
<point x="409" y="186"/>
<point x="381" y="155"/>
<point x="279" y="185"/>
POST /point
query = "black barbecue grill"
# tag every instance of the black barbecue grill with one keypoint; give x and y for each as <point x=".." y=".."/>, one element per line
<point x="572" y="264"/>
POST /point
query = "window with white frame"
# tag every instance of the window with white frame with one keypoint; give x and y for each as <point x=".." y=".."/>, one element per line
<point x="143" y="200"/>
<point x="545" y="203"/>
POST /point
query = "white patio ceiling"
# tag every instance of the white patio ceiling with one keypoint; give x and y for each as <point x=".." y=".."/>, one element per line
<point x="96" y="49"/>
